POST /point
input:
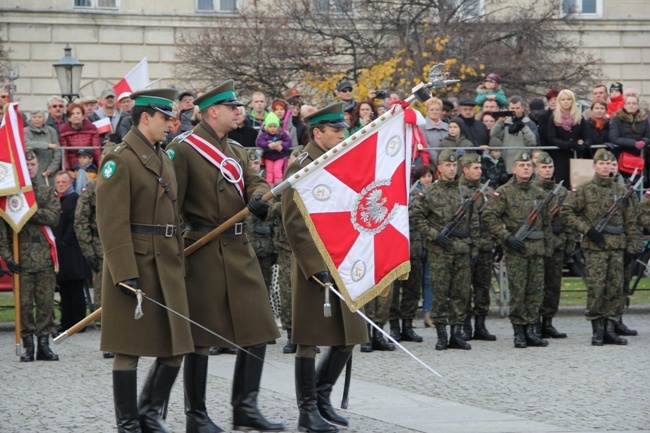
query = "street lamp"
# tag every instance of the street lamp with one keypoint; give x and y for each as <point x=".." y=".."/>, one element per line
<point x="68" y="72"/>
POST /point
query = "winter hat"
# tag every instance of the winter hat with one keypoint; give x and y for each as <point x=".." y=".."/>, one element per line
<point x="616" y="86"/>
<point x="458" y="121"/>
<point x="537" y="106"/>
<point x="271" y="119"/>
<point x="495" y="78"/>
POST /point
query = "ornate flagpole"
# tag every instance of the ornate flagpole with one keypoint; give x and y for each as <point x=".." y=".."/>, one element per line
<point x="16" y="281"/>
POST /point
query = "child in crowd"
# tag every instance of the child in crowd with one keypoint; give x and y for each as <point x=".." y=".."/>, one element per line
<point x="84" y="171"/>
<point x="616" y="99"/>
<point x="491" y="89"/>
<point x="282" y="110"/>
<point x="494" y="169"/>
<point x="275" y="143"/>
<point x="455" y="138"/>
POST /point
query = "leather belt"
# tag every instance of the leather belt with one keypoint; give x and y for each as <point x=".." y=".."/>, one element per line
<point x="462" y="234"/>
<point x="166" y="230"/>
<point x="535" y="235"/>
<point x="614" y="230"/>
<point x="237" y="229"/>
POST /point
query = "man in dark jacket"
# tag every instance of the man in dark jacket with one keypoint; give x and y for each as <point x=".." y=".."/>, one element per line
<point x="475" y="130"/>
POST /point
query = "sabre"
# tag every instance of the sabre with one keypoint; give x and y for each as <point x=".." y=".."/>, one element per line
<point x="384" y="333"/>
<point x="98" y="312"/>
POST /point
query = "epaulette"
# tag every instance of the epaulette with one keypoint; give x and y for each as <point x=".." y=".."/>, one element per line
<point x="235" y="143"/>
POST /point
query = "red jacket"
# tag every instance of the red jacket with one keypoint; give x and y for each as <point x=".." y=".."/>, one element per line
<point x="86" y="136"/>
<point x="419" y="143"/>
<point x="615" y="104"/>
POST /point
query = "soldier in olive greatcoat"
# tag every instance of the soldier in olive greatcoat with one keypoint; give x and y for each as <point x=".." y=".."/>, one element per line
<point x="138" y="223"/>
<point x="343" y="329"/>
<point x="225" y="288"/>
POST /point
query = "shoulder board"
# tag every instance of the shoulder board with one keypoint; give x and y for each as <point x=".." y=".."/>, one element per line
<point x="184" y="135"/>
<point x="118" y="148"/>
<point x="234" y="143"/>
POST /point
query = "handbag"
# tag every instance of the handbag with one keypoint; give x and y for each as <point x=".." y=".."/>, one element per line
<point x="627" y="163"/>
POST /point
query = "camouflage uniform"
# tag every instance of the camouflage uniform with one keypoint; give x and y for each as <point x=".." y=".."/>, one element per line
<point x="410" y="289"/>
<point x="562" y="242"/>
<point x="37" y="278"/>
<point x="450" y="271"/>
<point x="582" y="210"/>
<point x="261" y="235"/>
<point x="505" y="213"/>
<point x="85" y="226"/>
<point x="482" y="268"/>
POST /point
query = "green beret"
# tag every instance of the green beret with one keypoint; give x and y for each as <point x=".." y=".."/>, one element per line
<point x="447" y="155"/>
<point x="522" y="156"/>
<point x="544" y="158"/>
<point x="469" y="159"/>
<point x="603" y="155"/>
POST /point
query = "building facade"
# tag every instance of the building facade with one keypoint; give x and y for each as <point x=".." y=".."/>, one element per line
<point x="111" y="36"/>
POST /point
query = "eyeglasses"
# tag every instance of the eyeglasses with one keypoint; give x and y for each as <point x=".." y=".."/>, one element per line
<point x="56" y="106"/>
<point x="347" y="90"/>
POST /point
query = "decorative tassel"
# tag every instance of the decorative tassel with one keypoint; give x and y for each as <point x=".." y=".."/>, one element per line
<point x="138" y="308"/>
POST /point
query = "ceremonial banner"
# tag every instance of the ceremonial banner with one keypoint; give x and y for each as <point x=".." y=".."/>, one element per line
<point x="16" y="208"/>
<point x="355" y="202"/>
<point x="136" y="79"/>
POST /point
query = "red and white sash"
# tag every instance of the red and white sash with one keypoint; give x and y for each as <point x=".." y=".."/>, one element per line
<point x="230" y="169"/>
<point x="47" y="231"/>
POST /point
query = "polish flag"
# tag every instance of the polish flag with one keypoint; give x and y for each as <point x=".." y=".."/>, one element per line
<point x="136" y="79"/>
<point x="103" y="125"/>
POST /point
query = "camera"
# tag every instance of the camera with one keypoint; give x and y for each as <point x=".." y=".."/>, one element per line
<point x="380" y="94"/>
<point x="498" y="114"/>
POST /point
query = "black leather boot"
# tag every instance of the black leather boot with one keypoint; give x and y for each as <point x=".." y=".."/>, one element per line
<point x="456" y="340"/>
<point x="195" y="376"/>
<point x="328" y="371"/>
<point x="310" y="419"/>
<point x="28" y="349"/>
<point x="622" y="329"/>
<point x="532" y="339"/>
<point x="520" y="339"/>
<point x="408" y="334"/>
<point x="395" y="331"/>
<point x="125" y="399"/>
<point x="598" y="327"/>
<point x="441" y="330"/>
<point x="367" y="346"/>
<point x="289" y="347"/>
<point x="154" y="397"/>
<point x="467" y="328"/>
<point x="379" y="342"/>
<point x="44" y="352"/>
<point x="245" y="388"/>
<point x="549" y="331"/>
<point x="480" y="331"/>
<point x="610" y="334"/>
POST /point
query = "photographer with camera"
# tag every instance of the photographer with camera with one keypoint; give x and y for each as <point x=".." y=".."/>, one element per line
<point x="512" y="129"/>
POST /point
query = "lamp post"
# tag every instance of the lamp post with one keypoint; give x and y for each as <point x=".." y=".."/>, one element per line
<point x="68" y="72"/>
<point x="11" y="73"/>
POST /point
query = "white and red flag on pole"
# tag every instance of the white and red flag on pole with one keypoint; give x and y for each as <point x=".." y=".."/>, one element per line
<point x="136" y="79"/>
<point x="354" y="199"/>
<point x="104" y="125"/>
<point x="18" y="203"/>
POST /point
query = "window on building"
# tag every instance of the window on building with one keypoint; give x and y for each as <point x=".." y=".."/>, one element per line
<point x="466" y="8"/>
<point x="216" y="5"/>
<point x="332" y="6"/>
<point x="97" y="4"/>
<point x="584" y="8"/>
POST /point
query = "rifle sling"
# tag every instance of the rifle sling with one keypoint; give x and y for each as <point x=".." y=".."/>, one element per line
<point x="462" y="234"/>
<point x="535" y="235"/>
<point x="614" y="230"/>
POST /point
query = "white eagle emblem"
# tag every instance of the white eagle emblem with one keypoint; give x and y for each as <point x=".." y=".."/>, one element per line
<point x="375" y="210"/>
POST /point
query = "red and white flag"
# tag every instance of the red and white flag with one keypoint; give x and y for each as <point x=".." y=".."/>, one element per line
<point x="136" y="79"/>
<point x="17" y="207"/>
<point x="354" y="199"/>
<point x="103" y="125"/>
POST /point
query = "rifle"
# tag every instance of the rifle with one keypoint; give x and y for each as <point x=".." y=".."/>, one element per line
<point x="527" y="226"/>
<point x="614" y="207"/>
<point x="462" y="210"/>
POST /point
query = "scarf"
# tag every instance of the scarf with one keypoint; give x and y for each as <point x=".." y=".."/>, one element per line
<point x="599" y="123"/>
<point x="567" y="122"/>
